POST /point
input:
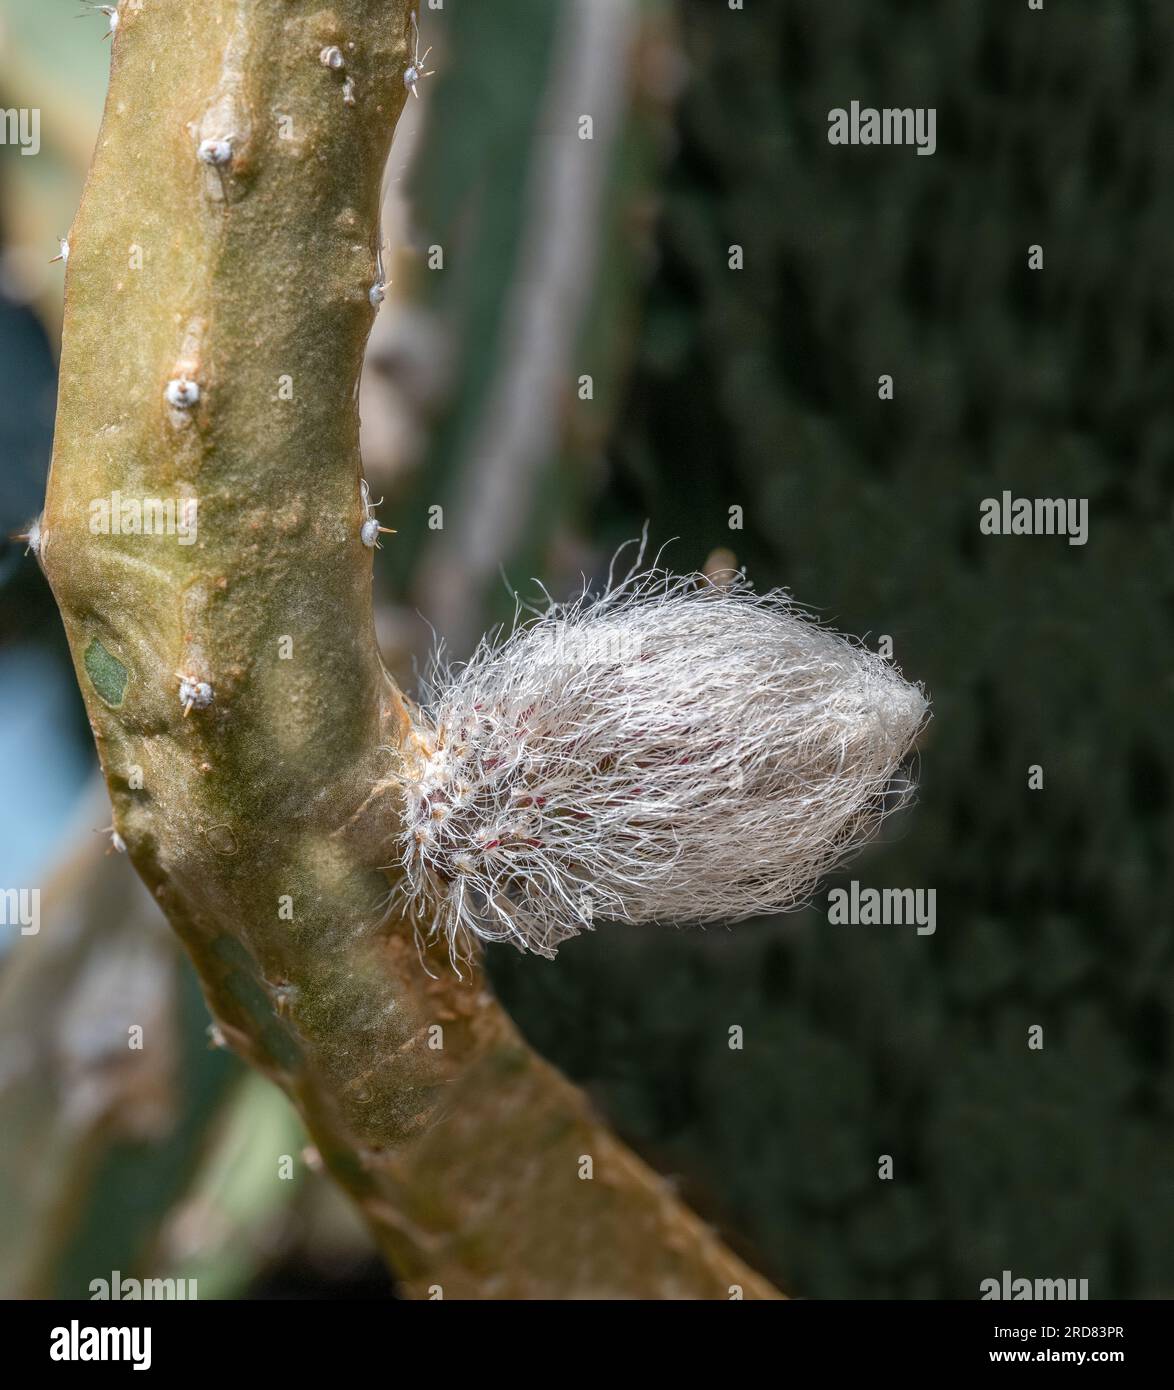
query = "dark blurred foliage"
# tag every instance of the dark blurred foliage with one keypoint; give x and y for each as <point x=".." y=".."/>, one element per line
<point x="759" y="388"/>
<point x="26" y="433"/>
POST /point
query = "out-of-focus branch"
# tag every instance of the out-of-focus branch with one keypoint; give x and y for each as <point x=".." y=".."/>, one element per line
<point x="100" y="1135"/>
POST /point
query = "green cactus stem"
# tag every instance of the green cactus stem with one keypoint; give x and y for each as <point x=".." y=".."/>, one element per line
<point x="217" y="307"/>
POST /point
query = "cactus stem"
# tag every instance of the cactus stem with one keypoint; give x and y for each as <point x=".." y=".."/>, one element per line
<point x="261" y="828"/>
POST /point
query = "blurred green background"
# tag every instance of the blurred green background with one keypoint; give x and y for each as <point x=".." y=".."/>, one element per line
<point x="710" y="388"/>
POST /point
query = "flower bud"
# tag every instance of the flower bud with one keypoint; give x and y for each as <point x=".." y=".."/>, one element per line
<point x="672" y="751"/>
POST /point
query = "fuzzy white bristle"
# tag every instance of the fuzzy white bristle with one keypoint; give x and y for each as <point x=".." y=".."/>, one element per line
<point x="671" y="751"/>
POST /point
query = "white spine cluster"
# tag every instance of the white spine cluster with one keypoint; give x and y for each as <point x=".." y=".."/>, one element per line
<point x="672" y="751"/>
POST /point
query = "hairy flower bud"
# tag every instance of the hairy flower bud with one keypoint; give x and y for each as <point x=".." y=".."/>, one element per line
<point x="672" y="751"/>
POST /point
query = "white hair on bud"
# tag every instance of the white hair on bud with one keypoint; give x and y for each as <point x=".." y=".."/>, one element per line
<point x="671" y="751"/>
